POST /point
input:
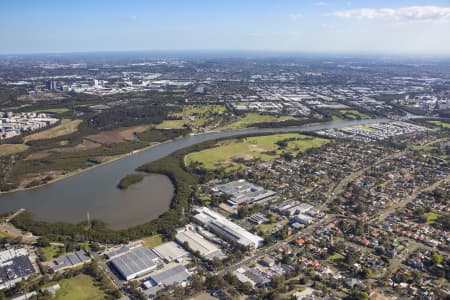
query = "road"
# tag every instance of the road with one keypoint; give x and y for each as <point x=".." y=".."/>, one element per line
<point x="380" y="217"/>
<point x="101" y="263"/>
<point x="18" y="212"/>
<point x="343" y="183"/>
<point x="333" y="195"/>
<point x="262" y="252"/>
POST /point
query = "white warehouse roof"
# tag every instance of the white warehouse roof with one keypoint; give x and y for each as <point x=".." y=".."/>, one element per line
<point x="222" y="226"/>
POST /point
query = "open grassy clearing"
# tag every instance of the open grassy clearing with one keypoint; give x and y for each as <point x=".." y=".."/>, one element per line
<point x="80" y="287"/>
<point x="51" y="252"/>
<point x="9" y="149"/>
<point x="436" y="146"/>
<point x="53" y="110"/>
<point x="439" y="123"/>
<point x="431" y="217"/>
<point x="335" y="257"/>
<point x="352" y="114"/>
<point x="171" y="124"/>
<point x="118" y="135"/>
<point x="4" y="235"/>
<point x="336" y="118"/>
<point x="66" y="127"/>
<point x="252" y="118"/>
<point x="261" y="147"/>
<point x="196" y="116"/>
<point x="153" y="241"/>
<point x="266" y="228"/>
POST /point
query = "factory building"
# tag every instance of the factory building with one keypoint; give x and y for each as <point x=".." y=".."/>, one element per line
<point x="135" y="262"/>
<point x="177" y="274"/>
<point x="243" y="192"/>
<point x="15" y="266"/>
<point x="197" y="243"/>
<point x="70" y="260"/>
<point x="170" y="251"/>
<point x="226" y="229"/>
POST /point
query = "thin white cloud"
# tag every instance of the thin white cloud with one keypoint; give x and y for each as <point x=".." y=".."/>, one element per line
<point x="406" y="14"/>
<point x="321" y="3"/>
<point x="132" y="18"/>
<point x="295" y="17"/>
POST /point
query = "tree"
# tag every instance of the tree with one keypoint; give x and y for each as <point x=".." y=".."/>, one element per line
<point x="366" y="273"/>
<point x="436" y="258"/>
<point x="243" y="212"/>
<point x="278" y="283"/>
<point x="272" y="218"/>
<point x="43" y="242"/>
<point x="360" y="295"/>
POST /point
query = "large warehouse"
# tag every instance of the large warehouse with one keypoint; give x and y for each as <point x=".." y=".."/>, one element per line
<point x="243" y="192"/>
<point x="15" y="266"/>
<point x="227" y="229"/>
<point x="135" y="262"/>
<point x="197" y="243"/>
<point x="170" y="251"/>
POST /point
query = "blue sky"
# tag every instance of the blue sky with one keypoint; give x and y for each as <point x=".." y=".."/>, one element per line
<point x="404" y="26"/>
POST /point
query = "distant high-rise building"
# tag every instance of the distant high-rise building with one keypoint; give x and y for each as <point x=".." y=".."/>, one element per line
<point x="51" y="85"/>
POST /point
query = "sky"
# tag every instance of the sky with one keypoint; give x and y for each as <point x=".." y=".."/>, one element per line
<point x="308" y="26"/>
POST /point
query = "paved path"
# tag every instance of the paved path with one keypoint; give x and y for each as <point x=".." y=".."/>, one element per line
<point x="258" y="254"/>
<point x="338" y="189"/>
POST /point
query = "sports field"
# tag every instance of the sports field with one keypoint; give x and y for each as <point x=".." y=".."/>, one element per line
<point x="252" y="118"/>
<point x="269" y="147"/>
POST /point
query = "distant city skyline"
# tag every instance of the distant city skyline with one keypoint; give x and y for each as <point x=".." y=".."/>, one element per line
<point x="388" y="27"/>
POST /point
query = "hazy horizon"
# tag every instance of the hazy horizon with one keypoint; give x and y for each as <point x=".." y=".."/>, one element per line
<point x="406" y="27"/>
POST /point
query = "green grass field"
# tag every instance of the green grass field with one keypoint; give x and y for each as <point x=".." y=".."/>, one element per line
<point x="66" y="127"/>
<point x="80" y="287"/>
<point x="171" y="124"/>
<point x="9" y="149"/>
<point x="266" y="228"/>
<point x="336" y="118"/>
<point x="4" y="235"/>
<point x="352" y="114"/>
<point x="51" y="252"/>
<point x="439" y="123"/>
<point x="153" y="241"/>
<point x="195" y="116"/>
<point x="431" y="217"/>
<point x="335" y="257"/>
<point x="252" y="148"/>
<point x="252" y="118"/>
<point x="53" y="110"/>
<point x="429" y="146"/>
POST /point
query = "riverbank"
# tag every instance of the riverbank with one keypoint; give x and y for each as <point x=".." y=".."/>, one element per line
<point x="80" y="171"/>
<point x="68" y="175"/>
<point x="94" y="190"/>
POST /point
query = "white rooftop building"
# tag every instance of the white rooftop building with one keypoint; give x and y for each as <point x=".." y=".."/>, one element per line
<point x="196" y="242"/>
<point x="227" y="229"/>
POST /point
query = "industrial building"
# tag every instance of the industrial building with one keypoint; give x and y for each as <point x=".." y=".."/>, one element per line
<point x="303" y="219"/>
<point x="170" y="251"/>
<point x="197" y="243"/>
<point x="176" y="274"/>
<point x="135" y="262"/>
<point x="243" y="192"/>
<point x="70" y="260"/>
<point x="15" y="266"/>
<point x="291" y="207"/>
<point x="226" y="229"/>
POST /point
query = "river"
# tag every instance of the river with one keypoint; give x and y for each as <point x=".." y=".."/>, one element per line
<point x="95" y="191"/>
